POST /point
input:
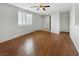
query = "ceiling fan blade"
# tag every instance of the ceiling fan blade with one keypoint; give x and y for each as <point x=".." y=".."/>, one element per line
<point x="43" y="8"/>
<point x="34" y="6"/>
<point x="46" y="6"/>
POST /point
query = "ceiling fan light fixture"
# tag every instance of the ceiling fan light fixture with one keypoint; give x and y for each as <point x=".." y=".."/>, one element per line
<point x="41" y="6"/>
<point x="42" y="9"/>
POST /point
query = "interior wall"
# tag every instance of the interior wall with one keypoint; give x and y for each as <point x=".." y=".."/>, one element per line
<point x="77" y="15"/>
<point x="9" y="27"/>
<point x="47" y="22"/>
<point x="55" y="22"/>
<point x="64" y="21"/>
<point x="74" y="28"/>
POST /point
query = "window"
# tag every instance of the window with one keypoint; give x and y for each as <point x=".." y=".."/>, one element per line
<point x="29" y="19"/>
<point x="20" y="21"/>
<point x="24" y="18"/>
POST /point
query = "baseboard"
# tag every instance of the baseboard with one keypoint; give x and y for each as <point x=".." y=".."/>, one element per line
<point x="74" y="44"/>
<point x="18" y="36"/>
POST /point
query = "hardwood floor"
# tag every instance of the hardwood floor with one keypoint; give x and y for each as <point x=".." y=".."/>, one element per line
<point x="39" y="43"/>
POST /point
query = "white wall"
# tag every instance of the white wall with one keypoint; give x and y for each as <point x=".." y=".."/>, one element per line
<point x="55" y="22"/>
<point x="9" y="27"/>
<point x="74" y="29"/>
<point x="64" y="22"/>
<point x="77" y="15"/>
<point x="47" y="22"/>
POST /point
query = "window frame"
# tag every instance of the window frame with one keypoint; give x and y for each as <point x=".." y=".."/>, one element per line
<point x="24" y="18"/>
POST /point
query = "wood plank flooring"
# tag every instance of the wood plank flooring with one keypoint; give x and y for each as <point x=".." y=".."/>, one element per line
<point x="39" y="43"/>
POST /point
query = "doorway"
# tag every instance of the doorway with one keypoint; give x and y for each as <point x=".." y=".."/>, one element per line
<point x="64" y="22"/>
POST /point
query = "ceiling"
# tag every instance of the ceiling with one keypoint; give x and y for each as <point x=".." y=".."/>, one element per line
<point x="54" y="7"/>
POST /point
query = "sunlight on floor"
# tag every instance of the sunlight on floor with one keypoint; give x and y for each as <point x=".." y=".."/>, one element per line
<point x="29" y="46"/>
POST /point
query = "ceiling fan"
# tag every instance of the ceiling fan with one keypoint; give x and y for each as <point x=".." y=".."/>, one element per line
<point x="42" y="6"/>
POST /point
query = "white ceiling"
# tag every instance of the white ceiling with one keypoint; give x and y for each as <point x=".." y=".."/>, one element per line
<point x="54" y="7"/>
